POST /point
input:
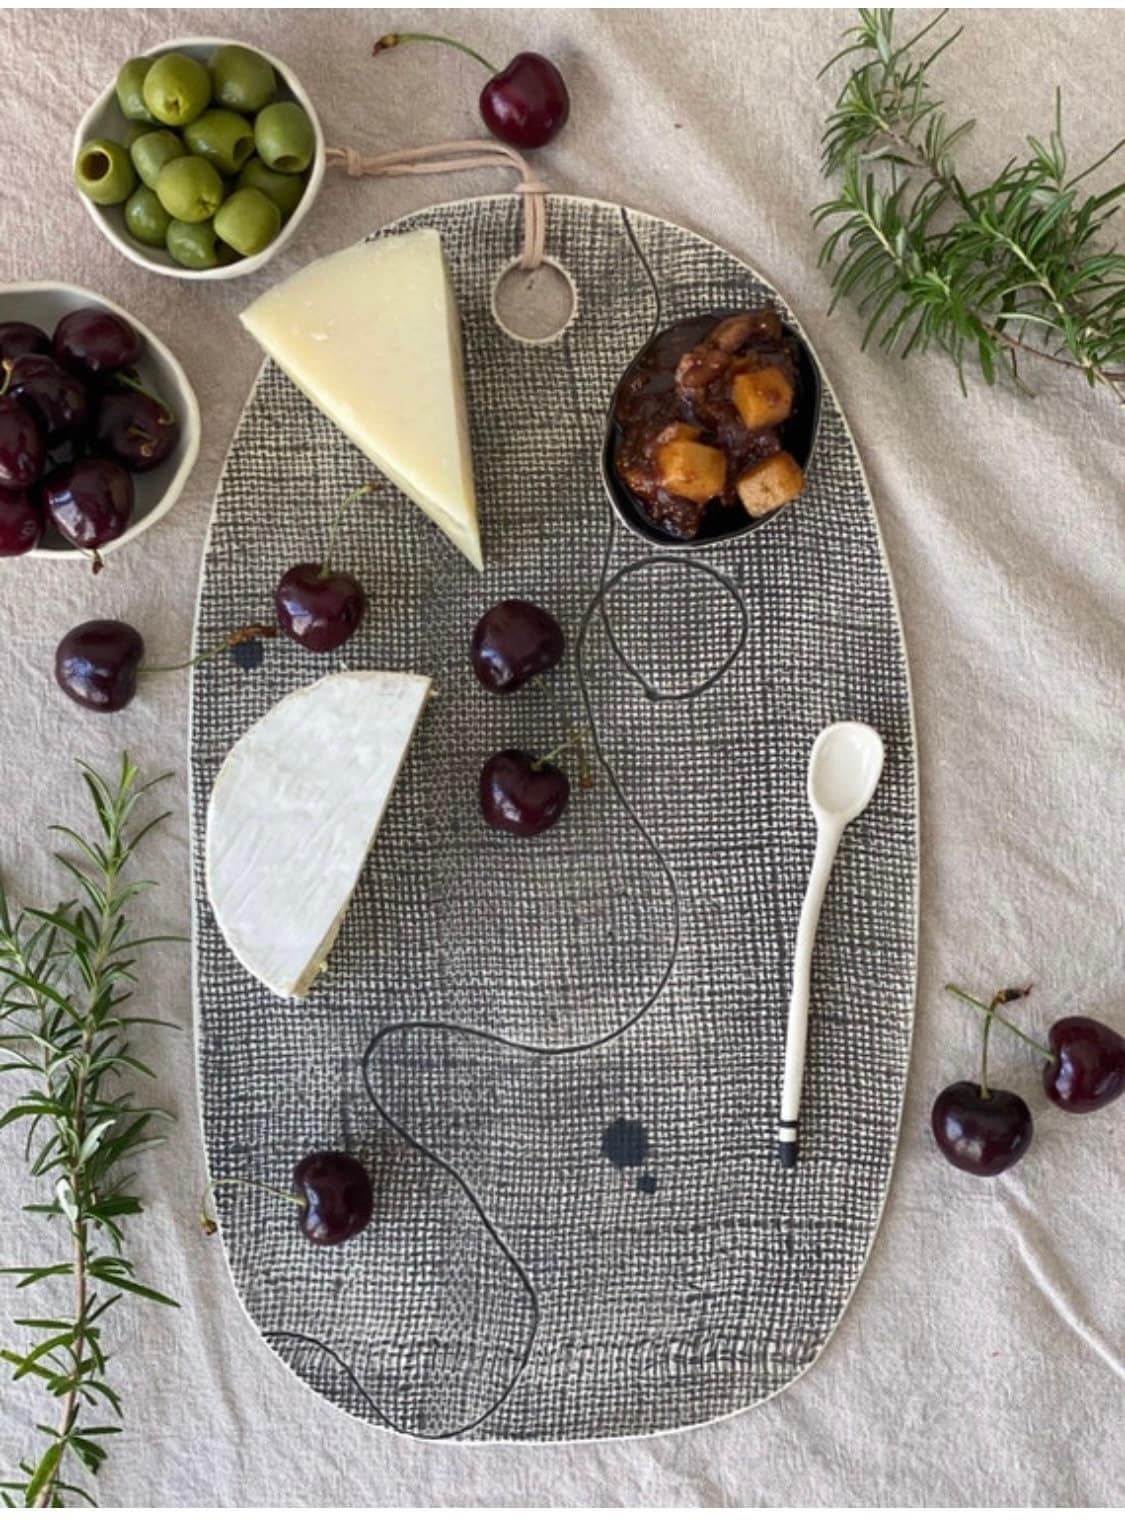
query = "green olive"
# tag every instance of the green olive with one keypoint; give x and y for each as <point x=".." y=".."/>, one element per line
<point x="134" y="131"/>
<point x="152" y="151"/>
<point x="222" y="138"/>
<point x="146" y="218"/>
<point x="176" y="89"/>
<point x="249" y="221"/>
<point x="190" y="189"/>
<point x="284" y="138"/>
<point x="285" y="190"/>
<point x="241" y="79"/>
<point x="104" y="172"/>
<point x="194" y="245"/>
<point x="130" y="89"/>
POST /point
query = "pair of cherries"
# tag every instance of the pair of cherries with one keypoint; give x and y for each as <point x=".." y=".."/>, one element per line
<point x="97" y="664"/>
<point x="985" y="1130"/>
<point x="981" y="1130"/>
<point x="514" y="643"/>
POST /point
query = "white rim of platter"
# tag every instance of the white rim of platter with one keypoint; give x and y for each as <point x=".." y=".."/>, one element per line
<point x="688" y="1379"/>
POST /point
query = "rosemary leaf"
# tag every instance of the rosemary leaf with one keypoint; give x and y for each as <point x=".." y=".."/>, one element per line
<point x="985" y="275"/>
<point x="64" y="974"/>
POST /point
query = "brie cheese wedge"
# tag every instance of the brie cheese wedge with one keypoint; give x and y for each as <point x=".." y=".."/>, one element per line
<point x="294" y="812"/>
<point x="373" y="337"/>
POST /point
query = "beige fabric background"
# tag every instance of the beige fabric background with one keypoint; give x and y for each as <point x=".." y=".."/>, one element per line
<point x="981" y="1361"/>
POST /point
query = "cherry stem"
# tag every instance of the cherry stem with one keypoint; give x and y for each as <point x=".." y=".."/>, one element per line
<point x="544" y="684"/>
<point x="367" y="489"/>
<point x="232" y="640"/>
<point x="989" y="1011"/>
<point x="124" y="378"/>
<point x="393" y="39"/>
<point x="585" y="769"/>
<point x="9" y="366"/>
<point x="572" y="741"/>
<point x="209" y="1225"/>
<point x="984" y="1092"/>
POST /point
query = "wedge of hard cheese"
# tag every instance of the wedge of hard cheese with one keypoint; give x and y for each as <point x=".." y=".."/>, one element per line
<point x="294" y="812"/>
<point x="373" y="337"/>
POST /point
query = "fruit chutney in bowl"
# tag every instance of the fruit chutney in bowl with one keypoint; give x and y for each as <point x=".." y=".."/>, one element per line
<point x="200" y="159"/>
<point x="711" y="428"/>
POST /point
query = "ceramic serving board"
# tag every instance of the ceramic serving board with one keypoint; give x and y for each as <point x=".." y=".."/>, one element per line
<point x="560" y="1057"/>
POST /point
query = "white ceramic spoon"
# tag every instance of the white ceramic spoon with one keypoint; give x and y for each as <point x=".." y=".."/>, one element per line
<point x="844" y="770"/>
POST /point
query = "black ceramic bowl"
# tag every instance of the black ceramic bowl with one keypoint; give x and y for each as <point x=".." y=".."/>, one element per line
<point x="720" y="525"/>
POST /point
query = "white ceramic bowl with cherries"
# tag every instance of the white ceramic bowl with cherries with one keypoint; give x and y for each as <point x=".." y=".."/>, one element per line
<point x="155" y="441"/>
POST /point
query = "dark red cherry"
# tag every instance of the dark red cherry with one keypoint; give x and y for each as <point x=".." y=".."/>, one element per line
<point x="66" y="450"/>
<point x="337" y="1194"/>
<point x="92" y="342"/>
<point x="520" y="794"/>
<point x="1088" y="1070"/>
<point x="21" y="523"/>
<point x="982" y="1135"/>
<point x="96" y="664"/>
<point x="89" y="502"/>
<point x="526" y="104"/>
<point x="512" y="642"/>
<point x="23" y="448"/>
<point x="137" y="429"/>
<point x="321" y="611"/>
<point x="19" y="338"/>
<point x="54" y="397"/>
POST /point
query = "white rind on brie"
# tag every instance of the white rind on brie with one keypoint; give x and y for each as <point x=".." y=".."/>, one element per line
<point x="372" y="336"/>
<point x="294" y="812"/>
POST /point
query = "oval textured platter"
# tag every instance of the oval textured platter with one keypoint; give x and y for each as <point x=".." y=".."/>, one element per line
<point x="560" y="1058"/>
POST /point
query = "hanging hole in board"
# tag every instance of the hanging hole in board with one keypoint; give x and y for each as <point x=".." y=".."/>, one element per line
<point x="534" y="305"/>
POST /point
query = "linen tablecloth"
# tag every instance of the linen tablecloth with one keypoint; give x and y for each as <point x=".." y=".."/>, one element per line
<point x="982" y="1359"/>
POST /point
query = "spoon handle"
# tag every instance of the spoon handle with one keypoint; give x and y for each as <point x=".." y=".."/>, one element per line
<point x="827" y="842"/>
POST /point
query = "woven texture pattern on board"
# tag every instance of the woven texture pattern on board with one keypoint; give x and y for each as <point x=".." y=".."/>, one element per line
<point x="593" y="1241"/>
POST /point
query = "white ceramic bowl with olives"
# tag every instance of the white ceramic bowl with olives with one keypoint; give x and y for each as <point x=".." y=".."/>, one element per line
<point x="200" y="159"/>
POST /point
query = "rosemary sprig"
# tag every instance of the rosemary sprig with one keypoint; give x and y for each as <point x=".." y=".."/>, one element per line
<point x="1016" y="268"/>
<point x="64" y="976"/>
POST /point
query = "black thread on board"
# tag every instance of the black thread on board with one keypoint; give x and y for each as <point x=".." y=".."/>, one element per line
<point x="654" y="693"/>
<point x="597" y="604"/>
<point x="217" y="717"/>
<point x="581" y="1047"/>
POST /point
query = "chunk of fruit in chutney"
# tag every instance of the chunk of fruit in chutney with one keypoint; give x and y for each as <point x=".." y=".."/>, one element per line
<point x="764" y="397"/>
<point x="770" y="484"/>
<point x="693" y="470"/>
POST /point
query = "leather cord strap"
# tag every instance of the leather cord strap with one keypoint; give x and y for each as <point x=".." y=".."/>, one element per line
<point x="449" y="158"/>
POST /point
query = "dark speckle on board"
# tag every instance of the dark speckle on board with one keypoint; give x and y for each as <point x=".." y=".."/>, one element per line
<point x="646" y="1183"/>
<point x="248" y="656"/>
<point x="625" y="1143"/>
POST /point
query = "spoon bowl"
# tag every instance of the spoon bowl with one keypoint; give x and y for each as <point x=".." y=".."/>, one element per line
<point x="844" y="769"/>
